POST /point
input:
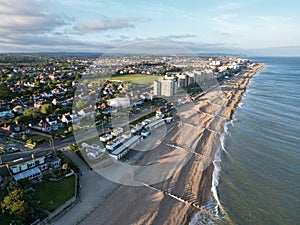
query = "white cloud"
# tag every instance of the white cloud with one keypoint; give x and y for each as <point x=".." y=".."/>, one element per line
<point x="171" y="37"/>
<point x="101" y="25"/>
<point x="26" y="16"/>
<point x="257" y="31"/>
<point x="38" y="25"/>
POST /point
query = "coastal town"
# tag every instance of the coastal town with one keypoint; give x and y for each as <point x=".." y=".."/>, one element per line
<point x="50" y="106"/>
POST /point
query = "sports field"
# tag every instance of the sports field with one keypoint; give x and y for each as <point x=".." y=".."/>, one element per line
<point x="135" y="78"/>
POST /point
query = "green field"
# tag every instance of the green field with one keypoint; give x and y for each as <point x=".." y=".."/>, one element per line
<point x="135" y="78"/>
<point x="93" y="140"/>
<point x="53" y="194"/>
<point x="141" y="119"/>
<point x="38" y="138"/>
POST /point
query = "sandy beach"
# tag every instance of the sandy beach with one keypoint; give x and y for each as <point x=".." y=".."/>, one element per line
<point x="195" y="135"/>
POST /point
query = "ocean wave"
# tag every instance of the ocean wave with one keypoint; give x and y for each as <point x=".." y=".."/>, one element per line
<point x="222" y="140"/>
<point x="226" y="127"/>
<point x="203" y="218"/>
<point x="232" y="123"/>
<point x="217" y="169"/>
<point x="215" y="180"/>
<point x="234" y="118"/>
<point x="240" y="105"/>
<point x="214" y="205"/>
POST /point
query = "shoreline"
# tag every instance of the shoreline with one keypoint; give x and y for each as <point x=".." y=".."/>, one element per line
<point x="232" y="102"/>
<point x="193" y="182"/>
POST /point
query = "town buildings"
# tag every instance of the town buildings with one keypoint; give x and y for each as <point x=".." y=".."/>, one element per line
<point x="29" y="165"/>
<point x="166" y="86"/>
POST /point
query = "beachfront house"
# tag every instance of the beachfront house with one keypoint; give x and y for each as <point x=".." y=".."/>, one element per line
<point x="123" y="149"/>
<point x="155" y="124"/>
<point x="117" y="131"/>
<point x="31" y="165"/>
<point x="146" y="133"/>
<point x="106" y="137"/>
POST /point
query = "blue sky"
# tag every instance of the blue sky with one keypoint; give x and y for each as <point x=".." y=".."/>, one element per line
<point x="251" y="27"/>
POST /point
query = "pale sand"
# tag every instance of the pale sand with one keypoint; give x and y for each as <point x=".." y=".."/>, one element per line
<point x="199" y="130"/>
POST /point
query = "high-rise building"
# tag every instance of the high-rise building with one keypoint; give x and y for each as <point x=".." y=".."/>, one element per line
<point x="183" y="80"/>
<point x="157" y="88"/>
<point x="165" y="87"/>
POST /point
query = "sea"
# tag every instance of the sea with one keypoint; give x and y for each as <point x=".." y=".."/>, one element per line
<point x="257" y="169"/>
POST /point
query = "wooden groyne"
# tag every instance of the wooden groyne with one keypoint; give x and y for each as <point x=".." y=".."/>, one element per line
<point x="196" y="205"/>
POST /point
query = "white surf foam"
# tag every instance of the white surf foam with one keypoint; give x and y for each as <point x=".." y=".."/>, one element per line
<point x="240" y="105"/>
<point x="214" y="205"/>
<point x="203" y="218"/>
<point x="226" y="127"/>
<point x="234" y="118"/>
<point x="215" y="179"/>
<point x="222" y="140"/>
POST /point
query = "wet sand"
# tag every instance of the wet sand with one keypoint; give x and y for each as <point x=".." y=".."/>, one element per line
<point x="197" y="131"/>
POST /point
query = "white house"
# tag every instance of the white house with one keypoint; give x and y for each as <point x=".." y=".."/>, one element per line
<point x="156" y="124"/>
<point x="137" y="128"/>
<point x="34" y="166"/>
<point x="117" y="131"/>
<point x="106" y="137"/>
<point x="145" y="133"/>
<point x="127" y="135"/>
<point x="66" y="119"/>
<point x="111" y="146"/>
<point x="119" y="102"/>
<point x="122" y="150"/>
<point x="94" y="151"/>
<point x="86" y="112"/>
<point x="119" y="152"/>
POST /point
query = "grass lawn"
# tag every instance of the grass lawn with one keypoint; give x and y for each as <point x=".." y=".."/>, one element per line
<point x="141" y="119"/>
<point x="136" y="78"/>
<point x="38" y="138"/>
<point x="60" y="131"/>
<point x="93" y="140"/>
<point x="53" y="194"/>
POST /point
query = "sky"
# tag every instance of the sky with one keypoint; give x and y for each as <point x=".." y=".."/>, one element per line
<point x="254" y="27"/>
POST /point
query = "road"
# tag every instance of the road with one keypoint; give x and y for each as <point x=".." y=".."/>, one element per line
<point x="60" y="144"/>
<point x="93" y="191"/>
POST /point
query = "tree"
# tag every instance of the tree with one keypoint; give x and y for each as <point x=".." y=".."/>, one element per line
<point x="69" y="83"/>
<point x="21" y="119"/>
<point x="37" y="84"/>
<point x="5" y="92"/>
<point x="32" y="90"/>
<point x="81" y="104"/>
<point x="70" y="129"/>
<point x="16" y="205"/>
<point x="24" y="137"/>
<point x="46" y="109"/>
<point x="95" y="86"/>
<point x="31" y="113"/>
<point x="77" y="77"/>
